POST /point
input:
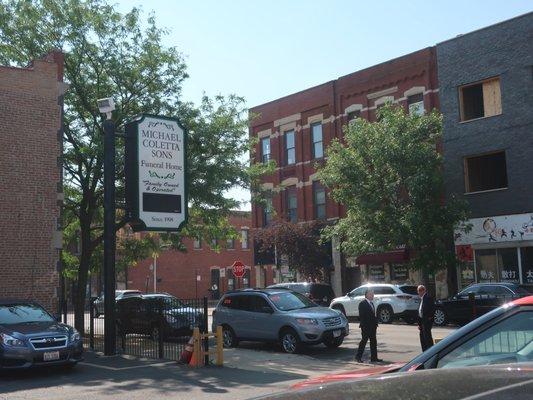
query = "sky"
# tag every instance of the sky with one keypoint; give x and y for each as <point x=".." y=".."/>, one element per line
<point x="263" y="50"/>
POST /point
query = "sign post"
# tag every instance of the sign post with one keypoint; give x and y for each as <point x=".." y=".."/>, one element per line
<point x="156" y="167"/>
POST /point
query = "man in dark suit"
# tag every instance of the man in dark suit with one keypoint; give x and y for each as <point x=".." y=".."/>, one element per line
<point x="425" y="317"/>
<point x="368" y="325"/>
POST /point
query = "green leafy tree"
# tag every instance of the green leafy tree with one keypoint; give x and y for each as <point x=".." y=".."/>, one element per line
<point x="388" y="175"/>
<point x="121" y="55"/>
<point x="299" y="244"/>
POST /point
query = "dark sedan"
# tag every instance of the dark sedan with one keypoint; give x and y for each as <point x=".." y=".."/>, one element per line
<point x="476" y="300"/>
<point x="481" y="383"/>
<point x="29" y="337"/>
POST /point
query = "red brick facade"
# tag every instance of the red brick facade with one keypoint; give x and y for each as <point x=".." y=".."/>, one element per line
<point x="329" y="105"/>
<point x="177" y="271"/>
<point x="30" y="180"/>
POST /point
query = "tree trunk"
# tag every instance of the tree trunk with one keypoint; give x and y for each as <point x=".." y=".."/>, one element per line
<point x="83" y="272"/>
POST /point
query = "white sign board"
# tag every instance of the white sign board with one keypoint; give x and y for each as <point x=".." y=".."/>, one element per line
<point x="156" y="188"/>
<point x="504" y="228"/>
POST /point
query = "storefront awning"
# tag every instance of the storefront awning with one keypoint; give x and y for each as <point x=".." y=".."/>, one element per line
<point x="395" y="256"/>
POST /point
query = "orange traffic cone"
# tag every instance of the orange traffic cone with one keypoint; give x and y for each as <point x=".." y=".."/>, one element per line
<point x="186" y="354"/>
<point x="196" y="359"/>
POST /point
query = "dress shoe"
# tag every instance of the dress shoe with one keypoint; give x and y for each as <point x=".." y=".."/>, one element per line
<point x="358" y="359"/>
<point x="376" y="360"/>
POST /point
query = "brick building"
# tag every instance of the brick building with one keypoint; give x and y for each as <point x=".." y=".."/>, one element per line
<point x="31" y="179"/>
<point x="486" y="92"/>
<point x="296" y="129"/>
<point x="192" y="274"/>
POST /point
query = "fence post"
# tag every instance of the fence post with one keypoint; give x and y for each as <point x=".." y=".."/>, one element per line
<point x="206" y="330"/>
<point x="220" y="349"/>
<point x="91" y="324"/>
<point x="160" y="343"/>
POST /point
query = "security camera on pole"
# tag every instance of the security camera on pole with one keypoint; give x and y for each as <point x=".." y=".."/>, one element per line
<point x="107" y="106"/>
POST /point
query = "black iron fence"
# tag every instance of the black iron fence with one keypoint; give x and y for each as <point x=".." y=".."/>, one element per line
<point x="148" y="326"/>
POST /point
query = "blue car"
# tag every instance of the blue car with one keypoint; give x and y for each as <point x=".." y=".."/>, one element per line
<point x="31" y="337"/>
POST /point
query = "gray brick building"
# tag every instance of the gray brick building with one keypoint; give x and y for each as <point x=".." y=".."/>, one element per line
<point x="486" y="97"/>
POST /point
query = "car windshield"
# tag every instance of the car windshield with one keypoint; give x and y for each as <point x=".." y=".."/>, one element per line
<point x="23" y="313"/>
<point x="288" y="301"/>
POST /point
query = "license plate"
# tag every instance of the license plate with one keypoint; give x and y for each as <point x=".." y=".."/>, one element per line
<point x="337" y="333"/>
<point x="51" y="356"/>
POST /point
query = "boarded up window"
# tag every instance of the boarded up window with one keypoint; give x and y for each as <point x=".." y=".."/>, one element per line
<point x="480" y="100"/>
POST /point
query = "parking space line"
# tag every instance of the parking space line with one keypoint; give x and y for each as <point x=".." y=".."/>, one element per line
<point x="161" y="364"/>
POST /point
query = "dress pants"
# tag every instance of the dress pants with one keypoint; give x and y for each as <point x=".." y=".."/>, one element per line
<point x="426" y="339"/>
<point x="368" y="334"/>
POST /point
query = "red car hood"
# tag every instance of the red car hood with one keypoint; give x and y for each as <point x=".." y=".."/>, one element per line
<point x="348" y="375"/>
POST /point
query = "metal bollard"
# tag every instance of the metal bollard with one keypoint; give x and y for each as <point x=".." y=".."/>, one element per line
<point x="220" y="347"/>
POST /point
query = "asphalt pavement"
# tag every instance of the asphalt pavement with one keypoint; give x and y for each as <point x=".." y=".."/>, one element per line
<point x="250" y="370"/>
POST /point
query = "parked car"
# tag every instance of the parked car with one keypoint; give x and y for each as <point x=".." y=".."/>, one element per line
<point x="157" y="314"/>
<point x="487" y="296"/>
<point x="502" y="336"/>
<point x="31" y="337"/>
<point x="119" y="294"/>
<point x="480" y="383"/>
<point x="278" y="315"/>
<point x="320" y="293"/>
<point x="391" y="301"/>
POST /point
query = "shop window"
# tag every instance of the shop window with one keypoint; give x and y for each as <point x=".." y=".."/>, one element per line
<point x="485" y="172"/>
<point x="376" y="273"/>
<point x="526" y="256"/>
<point x="415" y="104"/>
<point x="319" y="199"/>
<point x="481" y="99"/>
<point x="486" y="265"/>
<point x="290" y="148"/>
<point x="399" y="273"/>
<point x="265" y="150"/>
<point x="316" y="136"/>
<point x="292" y="204"/>
<point x="508" y="265"/>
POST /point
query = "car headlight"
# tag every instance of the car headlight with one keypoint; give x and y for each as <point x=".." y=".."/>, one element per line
<point x="11" y="341"/>
<point x="307" y="321"/>
<point x="74" y="335"/>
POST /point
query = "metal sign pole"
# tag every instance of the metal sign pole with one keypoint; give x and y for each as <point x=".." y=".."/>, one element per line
<point x="109" y="238"/>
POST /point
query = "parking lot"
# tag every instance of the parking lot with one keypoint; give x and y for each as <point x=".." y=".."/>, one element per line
<point x="250" y="370"/>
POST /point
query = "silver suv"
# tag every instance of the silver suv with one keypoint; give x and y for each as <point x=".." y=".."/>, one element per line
<point x="278" y="315"/>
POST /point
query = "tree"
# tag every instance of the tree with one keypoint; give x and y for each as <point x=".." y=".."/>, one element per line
<point x="388" y="175"/>
<point x="299" y="244"/>
<point x="120" y="55"/>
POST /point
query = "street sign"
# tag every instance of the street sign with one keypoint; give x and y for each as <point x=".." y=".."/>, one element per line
<point x="238" y="269"/>
<point x="156" y="183"/>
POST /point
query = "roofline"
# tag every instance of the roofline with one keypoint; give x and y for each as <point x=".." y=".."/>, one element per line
<point x="485" y="27"/>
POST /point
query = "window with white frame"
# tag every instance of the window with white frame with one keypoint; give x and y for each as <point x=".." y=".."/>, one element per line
<point x="197" y="242"/>
<point x="415" y="104"/>
<point x="244" y="239"/>
<point x="290" y="148"/>
<point x="319" y="200"/>
<point x="316" y="137"/>
<point x="292" y="204"/>
<point x="265" y="149"/>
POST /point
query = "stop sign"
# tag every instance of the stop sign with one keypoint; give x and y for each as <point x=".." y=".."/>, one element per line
<point x="238" y="269"/>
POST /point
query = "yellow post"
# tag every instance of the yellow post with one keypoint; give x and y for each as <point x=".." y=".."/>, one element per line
<point x="197" y="347"/>
<point x="220" y="351"/>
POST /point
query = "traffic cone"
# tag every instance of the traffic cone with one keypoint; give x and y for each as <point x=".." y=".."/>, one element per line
<point x="196" y="358"/>
<point x="186" y="354"/>
<point x="196" y="361"/>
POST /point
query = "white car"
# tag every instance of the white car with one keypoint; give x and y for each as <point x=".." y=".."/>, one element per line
<point x="391" y="301"/>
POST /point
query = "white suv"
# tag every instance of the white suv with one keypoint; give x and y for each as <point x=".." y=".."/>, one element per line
<point x="391" y="301"/>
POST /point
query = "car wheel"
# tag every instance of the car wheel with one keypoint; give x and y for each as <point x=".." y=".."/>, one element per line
<point x="333" y="343"/>
<point x="290" y="341"/>
<point x="228" y="337"/>
<point x="385" y="314"/>
<point x="439" y="318"/>
<point x="340" y="308"/>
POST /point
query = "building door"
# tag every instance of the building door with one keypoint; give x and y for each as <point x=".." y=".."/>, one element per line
<point x="215" y="283"/>
<point x="246" y="279"/>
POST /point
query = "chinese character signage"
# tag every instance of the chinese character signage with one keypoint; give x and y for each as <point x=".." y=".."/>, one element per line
<point x="156" y="173"/>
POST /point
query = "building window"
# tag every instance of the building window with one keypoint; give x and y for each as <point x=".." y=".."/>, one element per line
<point x="486" y="172"/>
<point x="482" y="99"/>
<point x="197" y="242"/>
<point x="290" y="148"/>
<point x="316" y="137"/>
<point x="319" y="199"/>
<point x="230" y="244"/>
<point x="292" y="204"/>
<point x="415" y="104"/>
<point x="244" y="238"/>
<point x="267" y="211"/>
<point x="214" y="243"/>
<point x="352" y="115"/>
<point x="265" y="150"/>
